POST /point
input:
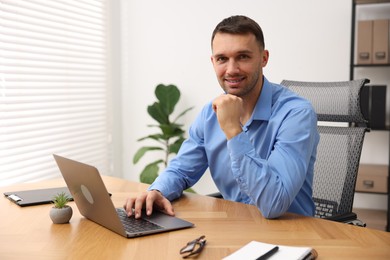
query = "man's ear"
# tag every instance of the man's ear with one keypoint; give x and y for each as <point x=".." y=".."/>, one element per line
<point x="265" y="57"/>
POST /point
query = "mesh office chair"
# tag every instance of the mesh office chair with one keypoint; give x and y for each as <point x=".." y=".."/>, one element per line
<point x="340" y="146"/>
<point x="342" y="127"/>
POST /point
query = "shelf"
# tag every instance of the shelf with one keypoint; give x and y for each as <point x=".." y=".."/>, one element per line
<point x="371" y="65"/>
<point x="386" y="128"/>
<point x="363" y="2"/>
<point x="372" y="179"/>
<point x="375" y="219"/>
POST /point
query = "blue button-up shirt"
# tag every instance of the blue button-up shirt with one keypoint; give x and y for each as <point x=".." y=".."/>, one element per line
<point x="269" y="164"/>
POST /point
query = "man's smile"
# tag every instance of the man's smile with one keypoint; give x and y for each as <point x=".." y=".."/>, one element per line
<point x="235" y="80"/>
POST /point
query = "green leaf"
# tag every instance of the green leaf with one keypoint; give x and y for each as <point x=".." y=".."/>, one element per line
<point x="158" y="114"/>
<point x="171" y="130"/>
<point x="150" y="172"/>
<point x="156" y="137"/>
<point x="174" y="148"/>
<point x="190" y="190"/>
<point x="141" y="151"/>
<point x="60" y="200"/>
<point x="182" y="114"/>
<point x="168" y="96"/>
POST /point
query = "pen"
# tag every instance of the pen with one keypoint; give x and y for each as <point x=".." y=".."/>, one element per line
<point x="309" y="256"/>
<point x="268" y="254"/>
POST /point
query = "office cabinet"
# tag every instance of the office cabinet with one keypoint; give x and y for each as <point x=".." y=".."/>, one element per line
<point x="370" y="58"/>
<point x="364" y="41"/>
<point x="372" y="178"/>
<point x="380" y="41"/>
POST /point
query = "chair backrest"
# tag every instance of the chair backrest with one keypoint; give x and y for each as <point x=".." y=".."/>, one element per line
<point x="341" y="126"/>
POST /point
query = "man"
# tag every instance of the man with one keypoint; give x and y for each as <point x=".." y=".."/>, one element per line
<point x="258" y="139"/>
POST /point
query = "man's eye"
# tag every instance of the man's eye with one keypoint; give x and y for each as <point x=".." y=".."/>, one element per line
<point x="243" y="57"/>
<point x="221" y="59"/>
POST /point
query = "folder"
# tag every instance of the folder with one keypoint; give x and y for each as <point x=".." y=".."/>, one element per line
<point x="364" y="42"/>
<point x="35" y="197"/>
<point x="380" y="42"/>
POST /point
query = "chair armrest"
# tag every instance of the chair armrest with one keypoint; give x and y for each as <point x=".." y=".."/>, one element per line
<point x="343" y="217"/>
<point x="349" y="218"/>
<point x="215" y="195"/>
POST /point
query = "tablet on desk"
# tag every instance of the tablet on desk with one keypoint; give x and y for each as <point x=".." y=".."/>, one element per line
<point x="35" y="197"/>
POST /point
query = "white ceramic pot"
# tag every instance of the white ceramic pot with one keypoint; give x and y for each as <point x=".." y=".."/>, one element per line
<point x="62" y="215"/>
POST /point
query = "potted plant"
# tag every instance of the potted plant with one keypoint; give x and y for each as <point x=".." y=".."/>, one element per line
<point x="61" y="212"/>
<point x="171" y="135"/>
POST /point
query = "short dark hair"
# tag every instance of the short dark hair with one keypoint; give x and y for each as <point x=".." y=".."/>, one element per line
<point x="240" y="24"/>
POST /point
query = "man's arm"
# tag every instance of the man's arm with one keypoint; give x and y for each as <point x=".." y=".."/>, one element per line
<point x="182" y="172"/>
<point x="273" y="183"/>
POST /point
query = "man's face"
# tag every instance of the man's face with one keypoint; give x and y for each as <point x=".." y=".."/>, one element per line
<point x="238" y="63"/>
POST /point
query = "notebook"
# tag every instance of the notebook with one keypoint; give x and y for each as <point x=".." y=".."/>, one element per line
<point x="93" y="201"/>
<point x="259" y="250"/>
<point x="35" y="197"/>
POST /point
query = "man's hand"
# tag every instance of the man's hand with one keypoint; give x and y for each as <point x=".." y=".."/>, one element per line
<point x="228" y="109"/>
<point x="150" y="199"/>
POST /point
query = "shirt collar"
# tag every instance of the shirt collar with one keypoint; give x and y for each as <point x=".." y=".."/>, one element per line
<point x="262" y="109"/>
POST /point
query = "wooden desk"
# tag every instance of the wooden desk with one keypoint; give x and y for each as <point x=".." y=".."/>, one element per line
<point x="28" y="233"/>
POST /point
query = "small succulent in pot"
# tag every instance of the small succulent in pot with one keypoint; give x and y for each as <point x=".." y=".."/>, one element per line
<point x="61" y="212"/>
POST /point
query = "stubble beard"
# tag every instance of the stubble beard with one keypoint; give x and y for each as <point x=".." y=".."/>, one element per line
<point x="246" y="90"/>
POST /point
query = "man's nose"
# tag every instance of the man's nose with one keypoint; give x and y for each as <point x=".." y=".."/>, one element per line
<point x="232" y="67"/>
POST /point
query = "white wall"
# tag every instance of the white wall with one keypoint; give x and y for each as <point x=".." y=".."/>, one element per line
<point x="169" y="42"/>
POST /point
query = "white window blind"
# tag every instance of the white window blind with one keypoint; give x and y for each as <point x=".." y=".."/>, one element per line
<point x="53" y="87"/>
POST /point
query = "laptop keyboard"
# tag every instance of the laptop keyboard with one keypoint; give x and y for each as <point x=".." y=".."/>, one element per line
<point x="132" y="224"/>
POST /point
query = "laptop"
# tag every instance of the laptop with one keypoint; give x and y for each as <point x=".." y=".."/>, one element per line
<point x="94" y="202"/>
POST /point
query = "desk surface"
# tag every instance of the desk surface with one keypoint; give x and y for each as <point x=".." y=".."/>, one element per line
<point x="29" y="233"/>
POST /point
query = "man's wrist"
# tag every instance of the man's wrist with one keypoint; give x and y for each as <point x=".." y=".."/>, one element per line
<point x="232" y="133"/>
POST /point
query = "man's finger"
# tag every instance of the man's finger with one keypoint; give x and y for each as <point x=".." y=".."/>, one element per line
<point x="139" y="202"/>
<point x="150" y="199"/>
